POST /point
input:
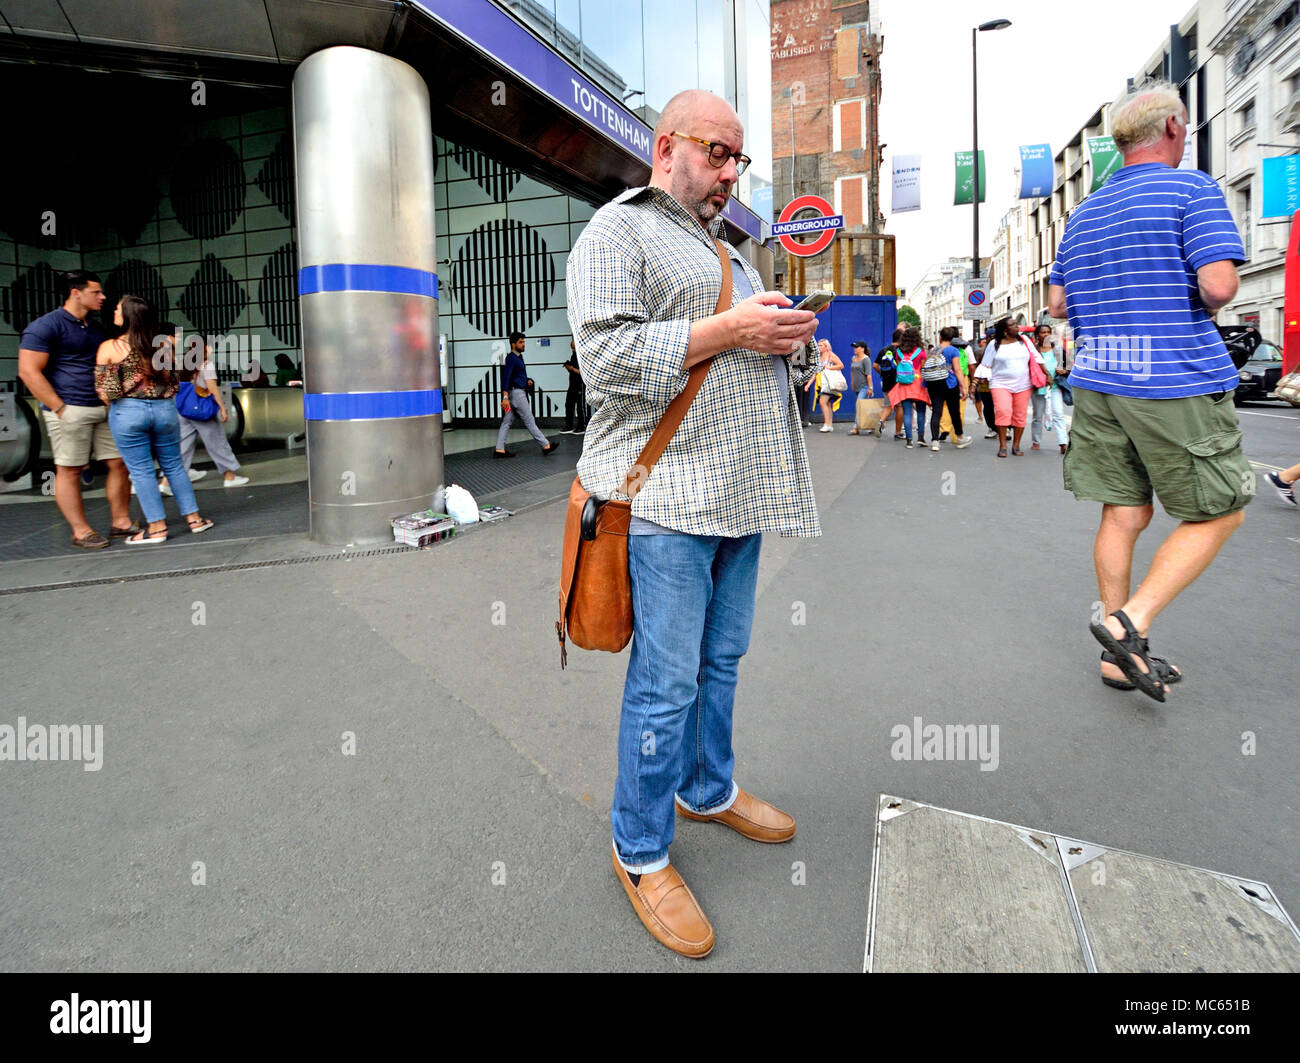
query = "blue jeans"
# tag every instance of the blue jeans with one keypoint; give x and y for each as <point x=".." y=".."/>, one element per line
<point x="910" y="405"/>
<point x="144" y="429"/>
<point x="693" y="601"/>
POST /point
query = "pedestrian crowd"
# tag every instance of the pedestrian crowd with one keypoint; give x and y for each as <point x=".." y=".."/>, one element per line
<point x="1006" y="374"/>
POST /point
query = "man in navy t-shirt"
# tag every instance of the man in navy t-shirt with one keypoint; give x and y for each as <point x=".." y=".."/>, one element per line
<point x="1143" y="265"/>
<point x="56" y="360"/>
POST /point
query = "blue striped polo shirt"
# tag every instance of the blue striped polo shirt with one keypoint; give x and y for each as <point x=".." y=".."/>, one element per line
<point x="1128" y="261"/>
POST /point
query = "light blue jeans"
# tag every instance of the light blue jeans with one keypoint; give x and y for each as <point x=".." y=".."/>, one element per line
<point x="918" y="407"/>
<point x="144" y="429"/>
<point x="1056" y="414"/>
<point x="693" y="602"/>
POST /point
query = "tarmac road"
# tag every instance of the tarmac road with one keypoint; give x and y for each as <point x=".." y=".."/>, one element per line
<point x="470" y="829"/>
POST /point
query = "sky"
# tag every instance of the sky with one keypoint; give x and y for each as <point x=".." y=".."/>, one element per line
<point x="1040" y="79"/>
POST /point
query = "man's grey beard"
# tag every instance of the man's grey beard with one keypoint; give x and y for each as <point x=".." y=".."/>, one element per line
<point x="705" y="210"/>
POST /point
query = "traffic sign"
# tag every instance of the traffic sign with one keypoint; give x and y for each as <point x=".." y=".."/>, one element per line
<point x="823" y="220"/>
<point x="975" y="305"/>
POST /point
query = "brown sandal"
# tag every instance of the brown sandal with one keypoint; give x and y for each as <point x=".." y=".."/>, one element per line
<point x="199" y="526"/>
<point x="93" y="541"/>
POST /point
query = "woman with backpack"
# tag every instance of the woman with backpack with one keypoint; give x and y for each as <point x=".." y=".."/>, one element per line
<point x="908" y="390"/>
<point x="886" y="364"/>
<point x="1013" y="367"/>
<point x="946" y="387"/>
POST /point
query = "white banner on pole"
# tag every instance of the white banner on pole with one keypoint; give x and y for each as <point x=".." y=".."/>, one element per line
<point x="907" y="183"/>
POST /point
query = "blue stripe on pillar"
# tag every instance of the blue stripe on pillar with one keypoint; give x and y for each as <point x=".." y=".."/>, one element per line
<point x="370" y="405"/>
<point x="359" y="277"/>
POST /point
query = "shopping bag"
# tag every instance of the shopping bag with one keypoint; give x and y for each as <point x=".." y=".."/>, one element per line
<point x="868" y="414"/>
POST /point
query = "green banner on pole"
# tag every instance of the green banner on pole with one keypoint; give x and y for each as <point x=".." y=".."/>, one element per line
<point x="1106" y="159"/>
<point x="966" y="179"/>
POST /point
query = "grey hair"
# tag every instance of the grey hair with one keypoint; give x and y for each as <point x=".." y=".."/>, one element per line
<point x="1137" y="119"/>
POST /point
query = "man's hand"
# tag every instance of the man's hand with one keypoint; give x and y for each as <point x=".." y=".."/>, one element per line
<point x="505" y="405"/>
<point x="224" y="416"/>
<point x="760" y="324"/>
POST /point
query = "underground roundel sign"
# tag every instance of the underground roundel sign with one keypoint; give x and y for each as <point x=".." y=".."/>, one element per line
<point x="807" y="216"/>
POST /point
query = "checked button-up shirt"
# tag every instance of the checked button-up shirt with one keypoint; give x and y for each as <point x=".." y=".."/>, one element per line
<point x="640" y="273"/>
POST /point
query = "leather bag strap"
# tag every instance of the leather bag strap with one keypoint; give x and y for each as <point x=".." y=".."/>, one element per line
<point x="672" y="417"/>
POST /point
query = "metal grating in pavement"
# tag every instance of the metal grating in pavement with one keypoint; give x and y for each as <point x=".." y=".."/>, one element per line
<point x="233" y="567"/>
<point x="956" y="892"/>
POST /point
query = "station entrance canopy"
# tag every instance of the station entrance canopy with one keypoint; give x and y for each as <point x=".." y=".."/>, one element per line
<point x="494" y="85"/>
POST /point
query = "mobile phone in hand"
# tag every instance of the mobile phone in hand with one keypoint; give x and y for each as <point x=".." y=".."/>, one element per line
<point x="816" y="302"/>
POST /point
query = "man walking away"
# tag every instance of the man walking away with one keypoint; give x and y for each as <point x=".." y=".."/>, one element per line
<point x="514" y="400"/>
<point x="1143" y="263"/>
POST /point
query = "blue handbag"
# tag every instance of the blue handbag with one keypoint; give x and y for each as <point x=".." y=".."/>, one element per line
<point x="191" y="405"/>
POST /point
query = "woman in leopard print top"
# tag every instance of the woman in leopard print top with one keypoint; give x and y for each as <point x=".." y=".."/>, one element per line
<point x="134" y="375"/>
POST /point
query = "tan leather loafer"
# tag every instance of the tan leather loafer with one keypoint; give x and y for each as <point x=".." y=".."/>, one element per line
<point x="668" y="910"/>
<point x="750" y="816"/>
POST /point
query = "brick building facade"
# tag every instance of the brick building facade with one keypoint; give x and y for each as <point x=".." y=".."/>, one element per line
<point x="825" y="129"/>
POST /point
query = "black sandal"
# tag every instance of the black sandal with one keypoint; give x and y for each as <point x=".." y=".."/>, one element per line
<point x="1169" y="673"/>
<point x="1124" y="650"/>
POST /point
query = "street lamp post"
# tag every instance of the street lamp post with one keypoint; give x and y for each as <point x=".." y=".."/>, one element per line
<point x="984" y="27"/>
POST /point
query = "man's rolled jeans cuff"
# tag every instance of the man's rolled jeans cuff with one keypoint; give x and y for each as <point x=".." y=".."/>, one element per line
<point x="640" y="869"/>
<point x="717" y="809"/>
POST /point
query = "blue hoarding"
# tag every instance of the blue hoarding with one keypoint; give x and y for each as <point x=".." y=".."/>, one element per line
<point x="854" y="317"/>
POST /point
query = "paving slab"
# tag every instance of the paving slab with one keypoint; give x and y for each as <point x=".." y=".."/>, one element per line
<point x="1142" y="914"/>
<point x="958" y="893"/>
<point x="953" y="892"/>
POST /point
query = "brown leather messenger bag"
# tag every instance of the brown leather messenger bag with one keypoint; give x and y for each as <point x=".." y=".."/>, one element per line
<point x="595" y="585"/>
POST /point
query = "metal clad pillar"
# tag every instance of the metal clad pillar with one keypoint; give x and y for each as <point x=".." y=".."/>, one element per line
<point x="368" y="291"/>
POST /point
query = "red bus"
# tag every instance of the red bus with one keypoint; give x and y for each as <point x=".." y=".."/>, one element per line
<point x="1291" y="307"/>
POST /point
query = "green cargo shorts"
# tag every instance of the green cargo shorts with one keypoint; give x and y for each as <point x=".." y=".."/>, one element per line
<point x="1188" y="450"/>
